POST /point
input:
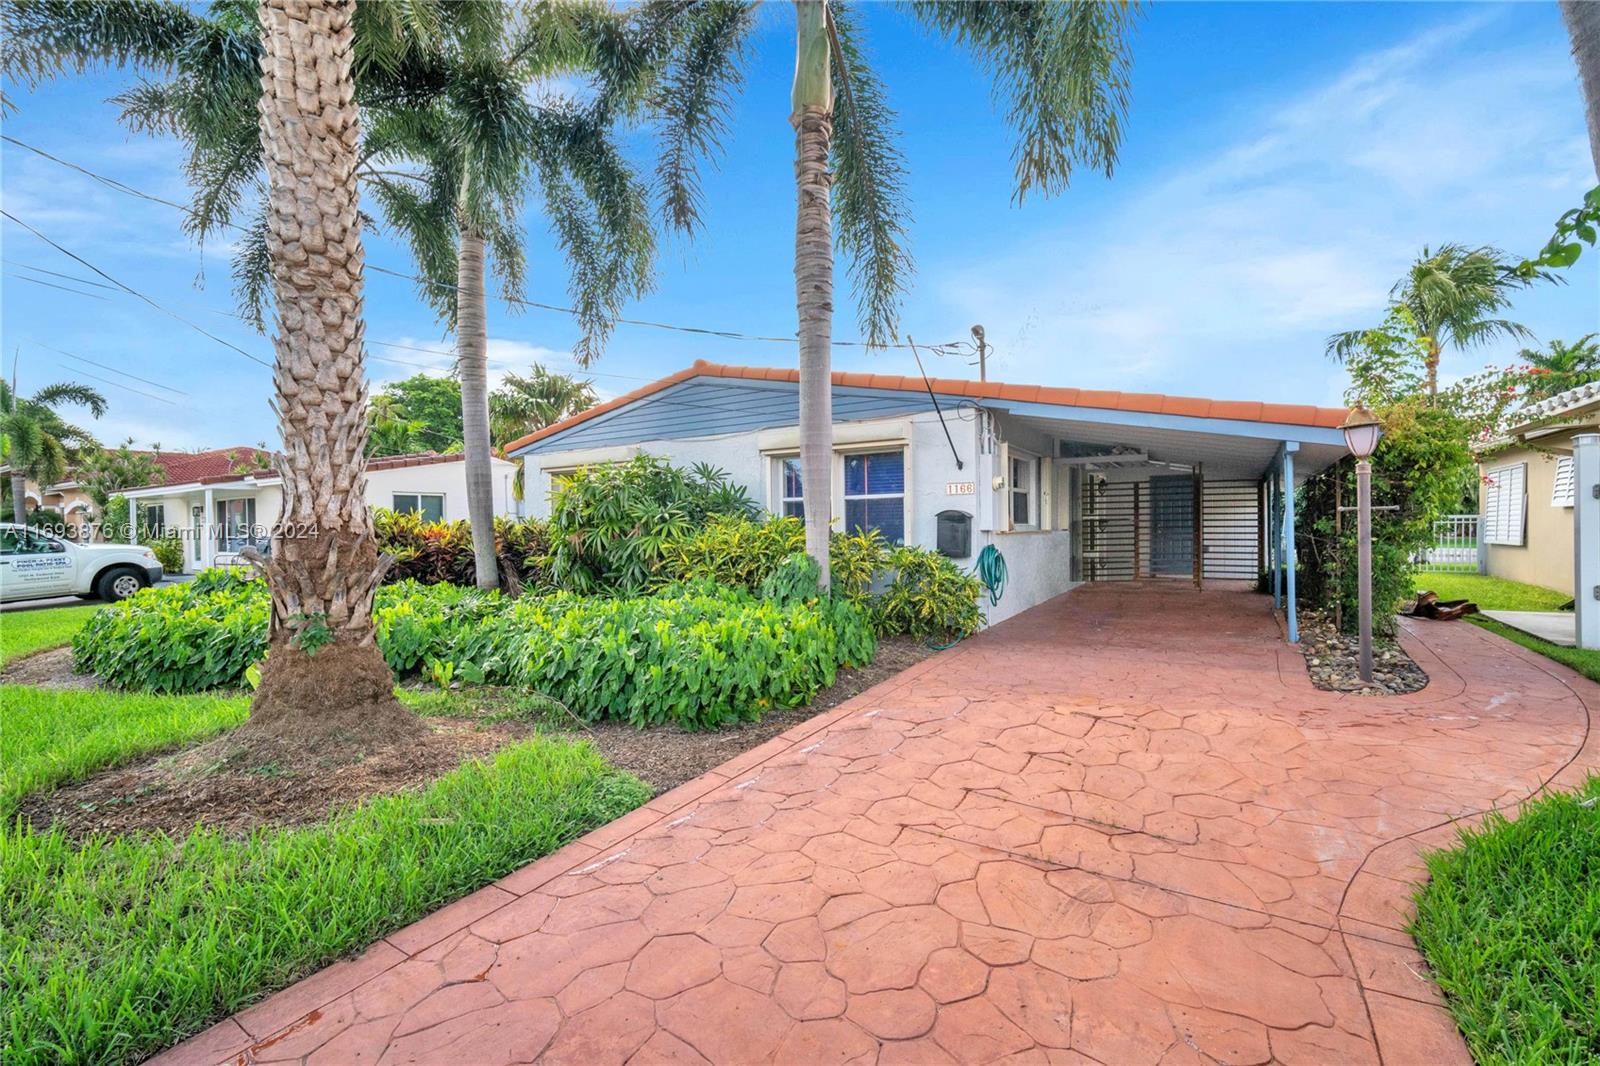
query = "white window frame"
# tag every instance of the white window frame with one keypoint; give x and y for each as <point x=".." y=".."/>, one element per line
<point x="779" y="479"/>
<point x="885" y="448"/>
<point x="1031" y="491"/>
<point x="774" y="470"/>
<point x="1563" y="486"/>
<point x="144" y="526"/>
<point x="1505" y="505"/>
<point x="394" y="497"/>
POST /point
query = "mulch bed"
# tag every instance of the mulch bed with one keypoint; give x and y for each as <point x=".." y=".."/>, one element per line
<point x="210" y="784"/>
<point x="1334" y="660"/>
<point x="47" y="669"/>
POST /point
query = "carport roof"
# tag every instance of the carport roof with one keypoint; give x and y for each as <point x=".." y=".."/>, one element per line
<point x="1288" y="416"/>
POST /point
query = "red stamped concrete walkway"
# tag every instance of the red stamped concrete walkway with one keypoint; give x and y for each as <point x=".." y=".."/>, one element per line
<point x="1118" y="828"/>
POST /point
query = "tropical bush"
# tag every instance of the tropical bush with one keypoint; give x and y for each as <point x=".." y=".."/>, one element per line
<point x="200" y="635"/>
<point x="610" y="524"/>
<point x="169" y="552"/>
<point x="928" y="597"/>
<point x="905" y="590"/>
<point x="695" y="654"/>
<point x="435" y="552"/>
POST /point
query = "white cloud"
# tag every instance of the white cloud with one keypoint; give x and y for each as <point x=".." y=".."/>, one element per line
<point x="1294" y="227"/>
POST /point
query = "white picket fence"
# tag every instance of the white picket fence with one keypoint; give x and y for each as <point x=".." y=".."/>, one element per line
<point x="1455" y="546"/>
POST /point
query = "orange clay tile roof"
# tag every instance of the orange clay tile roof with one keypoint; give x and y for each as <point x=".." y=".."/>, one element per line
<point x="1147" y="402"/>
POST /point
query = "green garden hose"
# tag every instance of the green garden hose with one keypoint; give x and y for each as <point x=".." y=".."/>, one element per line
<point x="991" y="570"/>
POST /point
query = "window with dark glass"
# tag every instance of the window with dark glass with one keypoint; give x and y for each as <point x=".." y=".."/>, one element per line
<point x="790" y="497"/>
<point x="430" y="505"/>
<point x="875" y="494"/>
<point x="153" y="519"/>
<point x="236" y="525"/>
<point x="1022" y="490"/>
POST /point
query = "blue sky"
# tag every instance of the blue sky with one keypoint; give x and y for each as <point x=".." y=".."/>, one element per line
<point x="1283" y="163"/>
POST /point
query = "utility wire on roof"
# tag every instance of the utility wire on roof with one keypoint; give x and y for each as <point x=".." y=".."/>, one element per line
<point x="703" y="331"/>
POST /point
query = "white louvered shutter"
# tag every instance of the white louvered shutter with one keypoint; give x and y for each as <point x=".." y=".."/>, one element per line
<point x="1504" y="496"/>
<point x="1561" y="494"/>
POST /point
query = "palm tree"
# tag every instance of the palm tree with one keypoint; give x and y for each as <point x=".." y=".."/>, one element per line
<point x="454" y="136"/>
<point x="1450" y="295"/>
<point x="1562" y="366"/>
<point x="36" y="442"/>
<point x="1583" y="26"/>
<point x="322" y="577"/>
<point x="522" y="405"/>
<point x="1062" y="68"/>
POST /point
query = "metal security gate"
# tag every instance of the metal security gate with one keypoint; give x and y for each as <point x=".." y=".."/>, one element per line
<point x="1172" y="526"/>
<point x="1138" y="529"/>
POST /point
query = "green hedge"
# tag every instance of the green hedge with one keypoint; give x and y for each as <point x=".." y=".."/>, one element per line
<point x="923" y="594"/>
<point x="696" y="655"/>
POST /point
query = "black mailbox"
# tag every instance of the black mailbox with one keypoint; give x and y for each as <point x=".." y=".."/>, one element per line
<point x="955" y="534"/>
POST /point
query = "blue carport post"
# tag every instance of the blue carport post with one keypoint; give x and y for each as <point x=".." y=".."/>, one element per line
<point x="1289" y="448"/>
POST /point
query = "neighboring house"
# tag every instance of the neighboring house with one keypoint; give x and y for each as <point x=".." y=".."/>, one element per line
<point x="78" y="509"/>
<point x="1070" y="485"/>
<point x="1526" y="495"/>
<point x="221" y="512"/>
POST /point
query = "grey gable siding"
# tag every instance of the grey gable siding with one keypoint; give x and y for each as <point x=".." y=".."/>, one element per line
<point x="706" y="407"/>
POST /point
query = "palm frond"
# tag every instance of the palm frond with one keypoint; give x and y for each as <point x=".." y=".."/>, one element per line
<point x="252" y="269"/>
<point x="1062" y="69"/>
<point x="869" y="184"/>
<point x="70" y="392"/>
<point x="695" y="93"/>
<point x="40" y="39"/>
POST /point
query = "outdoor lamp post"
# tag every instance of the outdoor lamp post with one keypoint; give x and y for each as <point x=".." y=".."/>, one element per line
<point x="1361" y="432"/>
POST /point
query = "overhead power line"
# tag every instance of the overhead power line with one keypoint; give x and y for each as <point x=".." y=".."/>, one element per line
<point x="114" y="370"/>
<point x="702" y="331"/>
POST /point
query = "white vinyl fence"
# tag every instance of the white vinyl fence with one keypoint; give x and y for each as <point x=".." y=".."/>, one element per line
<point x="1455" y="546"/>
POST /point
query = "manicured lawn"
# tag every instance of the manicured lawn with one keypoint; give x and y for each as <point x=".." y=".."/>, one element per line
<point x="1497" y="594"/>
<point x="1510" y="924"/>
<point x="1492" y="593"/>
<point x="112" y="948"/>
<point x="52" y="736"/>
<point x="25" y="632"/>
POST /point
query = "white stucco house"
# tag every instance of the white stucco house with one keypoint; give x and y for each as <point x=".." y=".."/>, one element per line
<point x="1069" y="485"/>
<point x="217" y="514"/>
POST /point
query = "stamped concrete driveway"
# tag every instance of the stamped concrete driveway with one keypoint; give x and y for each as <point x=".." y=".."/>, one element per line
<point x="1122" y="827"/>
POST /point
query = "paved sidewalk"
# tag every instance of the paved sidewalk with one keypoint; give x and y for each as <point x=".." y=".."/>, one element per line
<point x="1121" y="827"/>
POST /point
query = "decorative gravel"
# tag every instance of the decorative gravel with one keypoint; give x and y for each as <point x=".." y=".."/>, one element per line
<point x="1333" y="658"/>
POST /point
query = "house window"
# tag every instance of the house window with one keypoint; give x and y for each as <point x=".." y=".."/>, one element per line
<point x="1024" y="492"/>
<point x="1561" y="493"/>
<point x="236" y="525"/>
<point x="1504" y="498"/>
<point x="791" y="501"/>
<point x="875" y="494"/>
<point x="430" y="505"/>
<point x="153" y="519"/>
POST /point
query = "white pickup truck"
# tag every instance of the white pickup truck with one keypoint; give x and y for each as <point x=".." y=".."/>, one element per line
<point x="35" y="565"/>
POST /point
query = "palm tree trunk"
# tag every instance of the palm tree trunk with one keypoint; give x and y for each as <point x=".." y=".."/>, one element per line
<point x="1583" y="26"/>
<point x="19" y="499"/>
<point x="324" y="679"/>
<point x="1432" y="366"/>
<point x="472" y="365"/>
<point x="812" y="118"/>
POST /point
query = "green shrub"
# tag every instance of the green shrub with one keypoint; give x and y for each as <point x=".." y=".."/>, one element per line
<point x="169" y="552"/>
<point x="610" y="524"/>
<point x="923" y="594"/>
<point x="796" y="580"/>
<point x="184" y="638"/>
<point x="929" y="597"/>
<point x="695" y="655"/>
